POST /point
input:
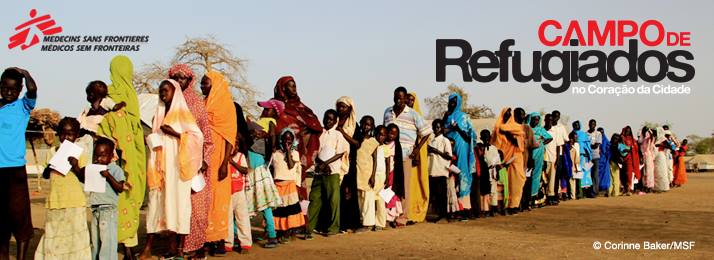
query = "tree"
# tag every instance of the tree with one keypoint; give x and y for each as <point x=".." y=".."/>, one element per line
<point x="701" y="145"/>
<point x="41" y="125"/>
<point x="438" y="104"/>
<point x="42" y="121"/>
<point x="147" y="79"/>
<point x="203" y="54"/>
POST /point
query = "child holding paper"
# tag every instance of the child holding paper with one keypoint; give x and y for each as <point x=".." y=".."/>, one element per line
<point x="103" y="204"/>
<point x="439" y="150"/>
<point x="66" y="235"/>
<point x="171" y="167"/>
<point x="453" y="204"/>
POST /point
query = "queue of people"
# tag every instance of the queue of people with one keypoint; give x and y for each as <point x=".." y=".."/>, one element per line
<point x="209" y="169"/>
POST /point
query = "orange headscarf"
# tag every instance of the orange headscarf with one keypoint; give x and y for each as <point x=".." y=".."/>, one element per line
<point x="498" y="138"/>
<point x="182" y="121"/>
<point x="220" y="109"/>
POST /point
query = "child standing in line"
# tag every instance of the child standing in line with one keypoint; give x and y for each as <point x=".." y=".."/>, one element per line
<point x="502" y="185"/>
<point x="104" y="205"/>
<point x="238" y="213"/>
<point x="453" y="205"/>
<point x="395" y="178"/>
<point x="380" y="178"/>
<point x="371" y="167"/>
<point x="66" y="234"/>
<point x="287" y="170"/>
<point x="439" y="151"/>
<point x="618" y="151"/>
<point x="327" y="176"/>
<point x="262" y="194"/>
<point x="574" y="147"/>
<point x="492" y="164"/>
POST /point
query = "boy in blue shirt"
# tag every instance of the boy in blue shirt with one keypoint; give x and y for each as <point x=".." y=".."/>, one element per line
<point x="103" y="230"/>
<point x="14" y="193"/>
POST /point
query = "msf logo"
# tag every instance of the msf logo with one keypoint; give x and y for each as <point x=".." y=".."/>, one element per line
<point x="45" y="24"/>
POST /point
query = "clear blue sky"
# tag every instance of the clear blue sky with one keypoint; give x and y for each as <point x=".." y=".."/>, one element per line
<point x="364" y="49"/>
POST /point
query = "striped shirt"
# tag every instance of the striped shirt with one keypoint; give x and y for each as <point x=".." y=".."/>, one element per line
<point x="410" y="125"/>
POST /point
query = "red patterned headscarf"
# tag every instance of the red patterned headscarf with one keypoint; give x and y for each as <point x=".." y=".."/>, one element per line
<point x="185" y="70"/>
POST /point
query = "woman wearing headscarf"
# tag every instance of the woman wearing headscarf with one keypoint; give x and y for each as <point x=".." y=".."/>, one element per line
<point x="631" y="162"/>
<point x="124" y="128"/>
<point x="508" y="136"/>
<point x="661" y="168"/>
<point x="419" y="185"/>
<point x="347" y="125"/>
<point x="222" y="119"/>
<point x="604" y="166"/>
<point x="200" y="200"/>
<point x="301" y="120"/>
<point x="647" y="144"/>
<point x="542" y="137"/>
<point x="172" y="166"/>
<point x="457" y="125"/>
<point x="680" y="166"/>
<point x="618" y="151"/>
<point x="586" y="153"/>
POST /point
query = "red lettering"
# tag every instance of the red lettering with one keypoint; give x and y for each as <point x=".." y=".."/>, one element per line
<point x="685" y="39"/>
<point x="610" y="33"/>
<point x="541" y="32"/>
<point x="574" y="26"/>
<point x="660" y="32"/>
<point x="622" y="33"/>
<point x="607" y="32"/>
<point x="672" y="38"/>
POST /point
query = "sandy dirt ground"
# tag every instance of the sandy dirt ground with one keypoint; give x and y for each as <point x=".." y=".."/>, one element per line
<point x="565" y="231"/>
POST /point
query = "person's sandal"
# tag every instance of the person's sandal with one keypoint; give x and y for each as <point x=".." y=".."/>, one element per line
<point x="272" y="243"/>
<point x="283" y="240"/>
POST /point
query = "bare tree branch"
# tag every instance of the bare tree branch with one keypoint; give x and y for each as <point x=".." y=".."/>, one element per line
<point x="147" y="79"/>
<point x="203" y="54"/>
<point x="438" y="104"/>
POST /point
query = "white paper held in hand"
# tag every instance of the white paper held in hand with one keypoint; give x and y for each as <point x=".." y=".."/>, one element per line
<point x="93" y="179"/>
<point x="153" y="140"/>
<point x="453" y="169"/>
<point x="198" y="182"/>
<point x="59" y="160"/>
<point x="386" y="194"/>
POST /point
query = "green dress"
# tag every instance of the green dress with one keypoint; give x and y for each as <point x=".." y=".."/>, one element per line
<point x="124" y="127"/>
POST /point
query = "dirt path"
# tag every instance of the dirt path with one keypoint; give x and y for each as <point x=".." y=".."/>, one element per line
<point x="568" y="230"/>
